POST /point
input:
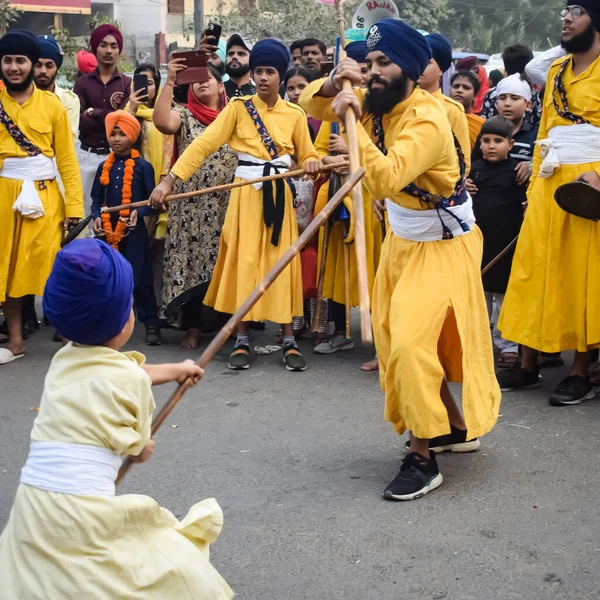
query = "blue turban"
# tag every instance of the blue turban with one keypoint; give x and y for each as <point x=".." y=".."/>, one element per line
<point x="89" y="293"/>
<point x="402" y="44"/>
<point x="357" y="51"/>
<point x="50" y="50"/>
<point x="20" y="42"/>
<point x="271" y="53"/>
<point x="441" y="50"/>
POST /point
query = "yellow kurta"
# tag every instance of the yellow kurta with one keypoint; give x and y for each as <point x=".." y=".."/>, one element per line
<point x="28" y="246"/>
<point x="245" y="251"/>
<point x="475" y="123"/>
<point x="553" y="298"/>
<point x="67" y="546"/>
<point x="72" y="105"/>
<point x="334" y="282"/>
<point x="458" y="122"/>
<point x="429" y="312"/>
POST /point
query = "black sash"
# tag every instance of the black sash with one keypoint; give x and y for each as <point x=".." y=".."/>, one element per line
<point x="17" y="134"/>
<point x="273" y="209"/>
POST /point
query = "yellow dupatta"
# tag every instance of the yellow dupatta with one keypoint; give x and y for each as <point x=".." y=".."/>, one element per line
<point x="157" y="150"/>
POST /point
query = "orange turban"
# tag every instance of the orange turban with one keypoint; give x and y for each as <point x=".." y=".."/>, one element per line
<point x="126" y="122"/>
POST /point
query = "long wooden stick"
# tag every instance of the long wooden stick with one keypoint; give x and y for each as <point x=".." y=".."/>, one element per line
<point x="347" y="288"/>
<point x="499" y="257"/>
<point x="245" y="308"/>
<point x="316" y="322"/>
<point x="360" y="243"/>
<point x="217" y="188"/>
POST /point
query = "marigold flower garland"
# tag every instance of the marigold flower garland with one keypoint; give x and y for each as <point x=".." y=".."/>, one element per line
<point x="115" y="237"/>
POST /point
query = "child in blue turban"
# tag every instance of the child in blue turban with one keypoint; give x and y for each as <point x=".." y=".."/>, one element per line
<point x="430" y="81"/>
<point x="260" y="224"/>
<point x="96" y="409"/>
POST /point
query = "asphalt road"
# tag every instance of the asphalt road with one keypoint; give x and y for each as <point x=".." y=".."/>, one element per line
<point x="299" y="461"/>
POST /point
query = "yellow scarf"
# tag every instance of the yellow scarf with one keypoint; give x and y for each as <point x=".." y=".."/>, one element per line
<point x="154" y="152"/>
<point x="154" y="142"/>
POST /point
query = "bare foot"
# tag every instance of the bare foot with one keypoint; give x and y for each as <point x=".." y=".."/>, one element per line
<point x="372" y="365"/>
<point x="16" y="348"/>
<point x="191" y="340"/>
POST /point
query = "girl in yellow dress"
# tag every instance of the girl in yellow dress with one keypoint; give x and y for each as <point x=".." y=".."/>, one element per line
<point x="260" y="224"/>
<point x="68" y="535"/>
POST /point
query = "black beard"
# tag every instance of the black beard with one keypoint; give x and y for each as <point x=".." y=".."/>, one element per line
<point x="381" y="101"/>
<point x="237" y="71"/>
<point x="18" y="87"/>
<point x="46" y="87"/>
<point x="582" y="42"/>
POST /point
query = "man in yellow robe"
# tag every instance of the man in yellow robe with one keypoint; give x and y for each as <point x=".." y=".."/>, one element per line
<point x="34" y="130"/>
<point x="260" y="223"/>
<point x="429" y="312"/>
<point x="553" y="297"/>
<point x="441" y="61"/>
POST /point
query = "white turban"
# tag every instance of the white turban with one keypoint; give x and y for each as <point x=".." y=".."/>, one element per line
<point x="515" y="86"/>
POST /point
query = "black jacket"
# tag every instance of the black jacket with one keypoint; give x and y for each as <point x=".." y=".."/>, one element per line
<point x="498" y="206"/>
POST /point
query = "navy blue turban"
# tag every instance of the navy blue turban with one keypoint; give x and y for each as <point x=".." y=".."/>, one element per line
<point x="20" y="42"/>
<point x="357" y="51"/>
<point x="592" y="7"/>
<point x="271" y="53"/>
<point x="50" y="50"/>
<point x="441" y="50"/>
<point x="402" y="44"/>
<point x="89" y="293"/>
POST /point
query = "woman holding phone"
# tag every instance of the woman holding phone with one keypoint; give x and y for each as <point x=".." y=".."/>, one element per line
<point x="157" y="148"/>
<point x="193" y="225"/>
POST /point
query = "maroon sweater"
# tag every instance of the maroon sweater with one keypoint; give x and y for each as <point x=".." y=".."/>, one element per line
<point x="103" y="99"/>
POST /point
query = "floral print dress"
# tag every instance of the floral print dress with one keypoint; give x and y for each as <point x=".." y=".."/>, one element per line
<point x="194" y="225"/>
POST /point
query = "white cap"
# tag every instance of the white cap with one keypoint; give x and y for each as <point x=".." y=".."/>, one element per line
<point x="515" y="86"/>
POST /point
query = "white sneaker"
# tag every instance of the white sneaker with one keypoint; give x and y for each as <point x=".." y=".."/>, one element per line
<point x="333" y="344"/>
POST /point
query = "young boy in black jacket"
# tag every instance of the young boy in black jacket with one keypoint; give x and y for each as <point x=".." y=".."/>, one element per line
<point x="498" y="206"/>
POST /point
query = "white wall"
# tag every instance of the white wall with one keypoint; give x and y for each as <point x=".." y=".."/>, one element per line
<point x="141" y="16"/>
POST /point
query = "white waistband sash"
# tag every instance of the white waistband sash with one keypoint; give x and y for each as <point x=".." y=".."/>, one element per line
<point x="425" y="225"/>
<point x="569" y="145"/>
<point x="28" y="170"/>
<point x="71" y="469"/>
<point x="283" y="164"/>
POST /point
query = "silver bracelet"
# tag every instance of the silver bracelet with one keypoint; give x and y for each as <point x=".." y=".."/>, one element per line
<point x="331" y="81"/>
<point x="173" y="176"/>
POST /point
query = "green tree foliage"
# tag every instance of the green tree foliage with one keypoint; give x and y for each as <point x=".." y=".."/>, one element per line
<point x="424" y="14"/>
<point x="8" y="14"/>
<point x="485" y="26"/>
<point x="287" y="20"/>
<point x="472" y="25"/>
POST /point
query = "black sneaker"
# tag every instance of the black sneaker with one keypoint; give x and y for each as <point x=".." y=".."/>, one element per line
<point x="418" y="476"/>
<point x="153" y="336"/>
<point x="518" y="379"/>
<point x="572" y="390"/>
<point x="293" y="359"/>
<point x="239" y="359"/>
<point x="455" y="441"/>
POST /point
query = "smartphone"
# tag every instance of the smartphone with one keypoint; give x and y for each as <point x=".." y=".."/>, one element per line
<point x="140" y="82"/>
<point x="196" y="62"/>
<point x="214" y="30"/>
